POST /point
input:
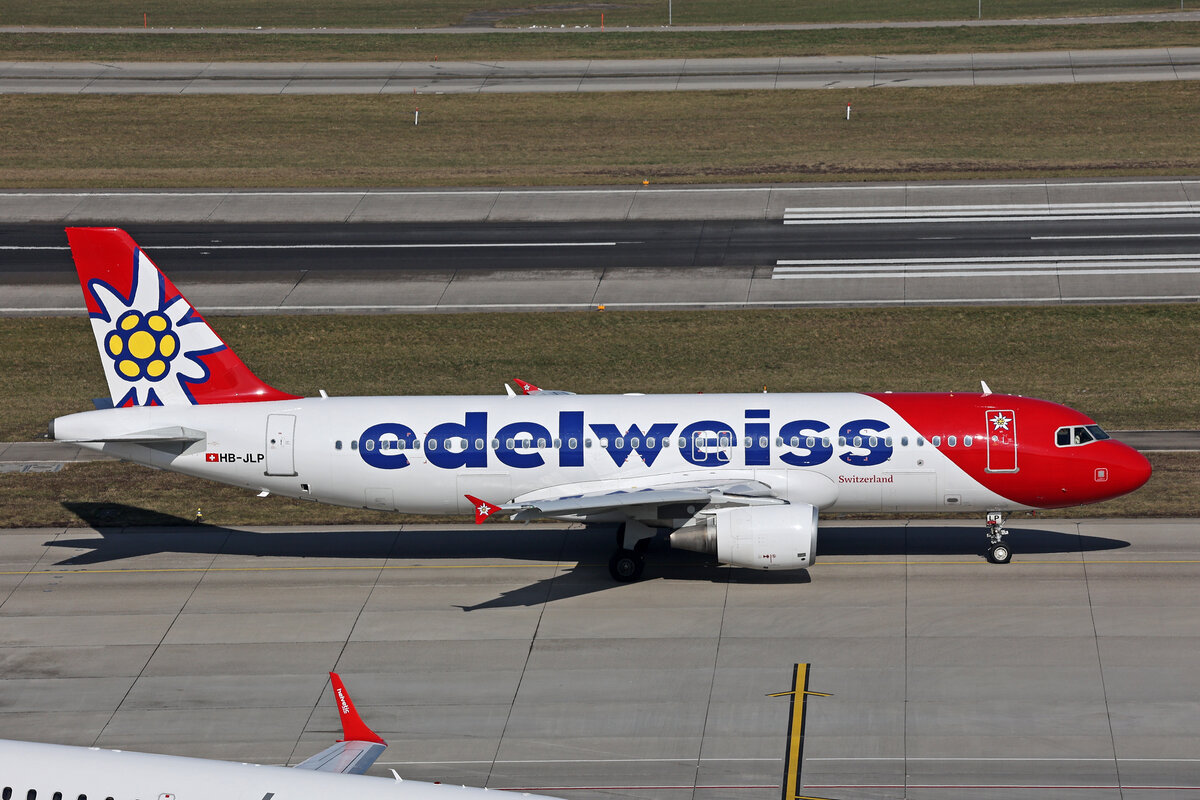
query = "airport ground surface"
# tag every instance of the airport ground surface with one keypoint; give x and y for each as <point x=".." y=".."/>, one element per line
<point x="505" y="656"/>
<point x="602" y="75"/>
<point x="648" y="247"/>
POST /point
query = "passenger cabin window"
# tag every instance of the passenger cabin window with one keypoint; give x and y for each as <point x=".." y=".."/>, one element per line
<point x="952" y="441"/>
<point x="967" y="441"/>
<point x="337" y="445"/>
<point x="7" y="793"/>
<point x="936" y="441"/>
<point x="58" y="796"/>
<point x="31" y="794"/>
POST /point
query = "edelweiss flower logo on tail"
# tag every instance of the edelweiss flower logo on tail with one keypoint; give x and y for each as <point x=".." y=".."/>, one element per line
<point x="153" y="345"/>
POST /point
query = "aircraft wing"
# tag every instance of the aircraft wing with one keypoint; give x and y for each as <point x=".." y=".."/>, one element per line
<point x="349" y="757"/>
<point x="727" y="492"/>
<point x="358" y="750"/>
<point x="528" y="388"/>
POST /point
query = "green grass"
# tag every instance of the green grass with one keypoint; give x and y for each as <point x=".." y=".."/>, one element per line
<point x="683" y="137"/>
<point x="1112" y="362"/>
<point x="611" y="44"/>
<point x="379" y="13"/>
<point x="1108" y="361"/>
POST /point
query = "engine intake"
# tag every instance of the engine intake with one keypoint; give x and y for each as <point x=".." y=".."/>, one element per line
<point x="758" y="537"/>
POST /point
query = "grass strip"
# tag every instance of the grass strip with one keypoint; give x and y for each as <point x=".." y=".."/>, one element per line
<point x="610" y="45"/>
<point x="571" y="139"/>
<point x="433" y="13"/>
<point x="1112" y="362"/>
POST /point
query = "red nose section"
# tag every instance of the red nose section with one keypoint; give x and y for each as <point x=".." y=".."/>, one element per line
<point x="1130" y="470"/>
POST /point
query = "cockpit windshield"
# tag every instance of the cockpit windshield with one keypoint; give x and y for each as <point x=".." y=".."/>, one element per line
<point x="1075" y="435"/>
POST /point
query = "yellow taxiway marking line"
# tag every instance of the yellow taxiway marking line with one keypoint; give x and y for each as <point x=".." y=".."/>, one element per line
<point x="560" y="565"/>
<point x="794" y="757"/>
<point x="325" y="568"/>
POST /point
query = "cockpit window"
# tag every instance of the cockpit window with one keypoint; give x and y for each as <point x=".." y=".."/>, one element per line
<point x="1079" y="434"/>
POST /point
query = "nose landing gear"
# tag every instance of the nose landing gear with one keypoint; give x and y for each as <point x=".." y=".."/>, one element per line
<point x="998" y="551"/>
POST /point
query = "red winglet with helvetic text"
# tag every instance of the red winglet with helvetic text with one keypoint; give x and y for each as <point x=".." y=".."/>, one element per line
<point x="483" y="509"/>
<point x="525" y="386"/>
<point x="353" y="728"/>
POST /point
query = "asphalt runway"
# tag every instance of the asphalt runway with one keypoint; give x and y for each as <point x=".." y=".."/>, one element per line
<point x="601" y="75"/>
<point x="504" y="656"/>
<point x="470" y="266"/>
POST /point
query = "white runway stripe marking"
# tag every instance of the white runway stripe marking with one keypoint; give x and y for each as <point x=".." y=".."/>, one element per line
<point x="996" y="212"/>
<point x="1000" y="266"/>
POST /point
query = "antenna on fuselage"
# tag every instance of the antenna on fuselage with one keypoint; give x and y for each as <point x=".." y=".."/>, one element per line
<point x="986" y="389"/>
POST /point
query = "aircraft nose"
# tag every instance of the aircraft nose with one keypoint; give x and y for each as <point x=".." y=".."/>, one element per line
<point x="1130" y="469"/>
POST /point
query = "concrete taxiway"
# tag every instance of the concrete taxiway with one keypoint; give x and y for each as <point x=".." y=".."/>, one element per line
<point x="505" y="656"/>
<point x="601" y="75"/>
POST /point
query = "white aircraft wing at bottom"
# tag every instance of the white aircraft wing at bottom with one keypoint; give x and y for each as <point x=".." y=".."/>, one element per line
<point x="358" y="750"/>
<point x="353" y="758"/>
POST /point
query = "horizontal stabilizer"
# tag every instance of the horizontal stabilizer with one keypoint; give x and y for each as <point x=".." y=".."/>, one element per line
<point x="171" y="435"/>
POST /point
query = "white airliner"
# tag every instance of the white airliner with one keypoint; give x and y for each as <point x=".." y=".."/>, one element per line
<point x="33" y="771"/>
<point x="739" y="476"/>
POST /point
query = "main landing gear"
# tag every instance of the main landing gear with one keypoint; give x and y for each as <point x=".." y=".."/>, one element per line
<point x="628" y="563"/>
<point x="998" y="551"/>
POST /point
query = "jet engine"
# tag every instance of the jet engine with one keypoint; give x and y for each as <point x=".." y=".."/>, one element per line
<point x="759" y="537"/>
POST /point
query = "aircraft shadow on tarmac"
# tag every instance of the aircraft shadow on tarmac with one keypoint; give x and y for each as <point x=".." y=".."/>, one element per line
<point x="155" y="533"/>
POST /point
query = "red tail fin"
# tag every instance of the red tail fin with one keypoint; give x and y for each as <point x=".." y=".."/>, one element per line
<point x="156" y="349"/>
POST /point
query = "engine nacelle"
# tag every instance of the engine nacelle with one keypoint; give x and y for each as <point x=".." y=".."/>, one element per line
<point x="759" y="537"/>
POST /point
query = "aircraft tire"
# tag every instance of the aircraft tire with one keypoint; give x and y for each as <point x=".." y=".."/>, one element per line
<point x="999" y="554"/>
<point x="626" y="566"/>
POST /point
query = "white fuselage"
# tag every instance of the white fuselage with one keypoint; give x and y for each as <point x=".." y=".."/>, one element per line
<point x="98" y="774"/>
<point x="838" y="452"/>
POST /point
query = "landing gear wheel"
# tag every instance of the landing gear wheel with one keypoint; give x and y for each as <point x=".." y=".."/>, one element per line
<point x="999" y="554"/>
<point x="626" y="566"/>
